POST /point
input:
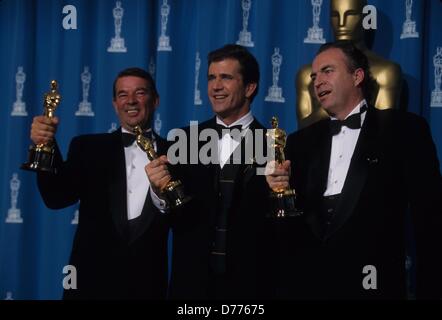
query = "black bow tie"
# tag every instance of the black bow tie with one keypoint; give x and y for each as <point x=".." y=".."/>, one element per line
<point x="222" y="130"/>
<point x="129" y="138"/>
<point x="352" y="122"/>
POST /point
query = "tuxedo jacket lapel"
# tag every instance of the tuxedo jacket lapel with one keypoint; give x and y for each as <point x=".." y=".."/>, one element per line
<point x="244" y="169"/>
<point x="365" y="154"/>
<point x="117" y="183"/>
<point x="118" y="186"/>
<point x="149" y="210"/>
<point x="248" y="149"/>
<point x="317" y="177"/>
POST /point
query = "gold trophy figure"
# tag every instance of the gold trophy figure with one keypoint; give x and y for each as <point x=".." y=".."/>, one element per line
<point x="283" y="200"/>
<point x="41" y="156"/>
<point x="174" y="190"/>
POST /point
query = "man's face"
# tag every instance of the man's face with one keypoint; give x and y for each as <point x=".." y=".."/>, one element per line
<point x="227" y="93"/>
<point x="134" y="101"/>
<point x="336" y="88"/>
<point x="346" y="19"/>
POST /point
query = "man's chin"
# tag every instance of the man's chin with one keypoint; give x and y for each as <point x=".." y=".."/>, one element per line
<point x="324" y="106"/>
<point x="327" y="109"/>
<point x="217" y="108"/>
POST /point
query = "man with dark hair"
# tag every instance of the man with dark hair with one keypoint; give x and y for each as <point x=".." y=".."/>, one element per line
<point x="360" y="176"/>
<point x="347" y="21"/>
<point x="139" y="73"/>
<point x="221" y="237"/>
<point x="355" y="59"/>
<point x="120" y="247"/>
<point x="248" y="66"/>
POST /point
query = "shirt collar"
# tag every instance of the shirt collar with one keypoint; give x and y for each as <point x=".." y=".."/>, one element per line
<point x="124" y="130"/>
<point x="355" y="110"/>
<point x="127" y="131"/>
<point x="244" y="121"/>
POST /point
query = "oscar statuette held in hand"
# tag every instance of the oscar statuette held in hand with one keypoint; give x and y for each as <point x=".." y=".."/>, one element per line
<point x="41" y="156"/>
<point x="174" y="190"/>
<point x="283" y="200"/>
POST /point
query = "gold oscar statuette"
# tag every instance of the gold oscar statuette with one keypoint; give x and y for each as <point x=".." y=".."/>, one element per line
<point x="173" y="192"/>
<point x="283" y="200"/>
<point x="41" y="156"/>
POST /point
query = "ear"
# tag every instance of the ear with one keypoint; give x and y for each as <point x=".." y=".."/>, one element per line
<point x="250" y="89"/>
<point x="115" y="106"/>
<point x="358" y="76"/>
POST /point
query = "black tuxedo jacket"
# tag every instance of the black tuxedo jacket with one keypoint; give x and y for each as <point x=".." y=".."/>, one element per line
<point x="247" y="262"/>
<point x="110" y="263"/>
<point x="393" y="181"/>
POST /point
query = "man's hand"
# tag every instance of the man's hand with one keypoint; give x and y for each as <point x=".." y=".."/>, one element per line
<point x="158" y="174"/>
<point x="43" y="129"/>
<point x="277" y="175"/>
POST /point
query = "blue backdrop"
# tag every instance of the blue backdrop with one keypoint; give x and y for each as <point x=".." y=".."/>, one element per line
<point x="84" y="43"/>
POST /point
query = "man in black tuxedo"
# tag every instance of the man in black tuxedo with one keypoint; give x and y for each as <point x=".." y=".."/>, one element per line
<point x="120" y="247"/>
<point x="221" y="237"/>
<point x="361" y="177"/>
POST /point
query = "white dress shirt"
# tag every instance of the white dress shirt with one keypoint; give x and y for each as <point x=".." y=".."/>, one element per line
<point x="343" y="147"/>
<point x="137" y="182"/>
<point x="226" y="145"/>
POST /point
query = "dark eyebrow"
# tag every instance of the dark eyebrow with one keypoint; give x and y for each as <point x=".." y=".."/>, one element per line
<point x="313" y="74"/>
<point x="221" y="75"/>
<point x="326" y="67"/>
<point x="145" y="89"/>
<point x="228" y="75"/>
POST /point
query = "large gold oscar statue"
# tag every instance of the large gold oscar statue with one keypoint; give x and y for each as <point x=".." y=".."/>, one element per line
<point x="173" y="192"/>
<point x="346" y="21"/>
<point x="283" y="201"/>
<point x="41" y="156"/>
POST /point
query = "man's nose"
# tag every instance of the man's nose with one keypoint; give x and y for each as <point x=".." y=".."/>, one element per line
<point x="132" y="98"/>
<point x="217" y="84"/>
<point x="318" y="82"/>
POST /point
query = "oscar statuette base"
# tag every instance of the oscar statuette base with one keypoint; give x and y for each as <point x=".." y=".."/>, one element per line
<point x="40" y="159"/>
<point x="284" y="204"/>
